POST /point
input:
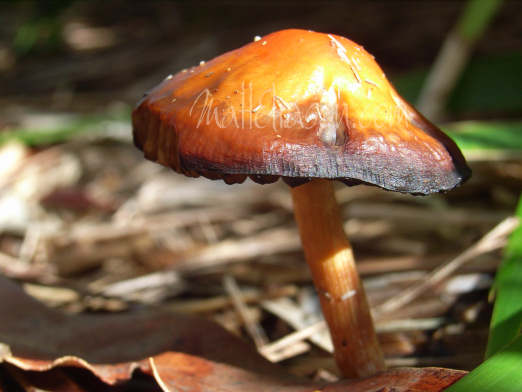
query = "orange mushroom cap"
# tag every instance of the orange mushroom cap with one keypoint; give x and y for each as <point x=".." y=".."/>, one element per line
<point x="299" y="105"/>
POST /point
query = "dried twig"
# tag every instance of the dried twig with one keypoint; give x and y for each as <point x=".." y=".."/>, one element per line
<point x="292" y="339"/>
<point x="410" y="324"/>
<point x="265" y="243"/>
<point x="17" y="269"/>
<point x="254" y="329"/>
<point x="214" y="304"/>
<point x="128" y="288"/>
<point x="494" y="239"/>
<point x="285" y="352"/>
<point x="423" y="216"/>
<point x="287" y="310"/>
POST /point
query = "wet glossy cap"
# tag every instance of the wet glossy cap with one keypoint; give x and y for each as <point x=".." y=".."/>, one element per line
<point x="295" y="104"/>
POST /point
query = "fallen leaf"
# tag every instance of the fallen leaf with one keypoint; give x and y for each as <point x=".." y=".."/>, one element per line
<point x="54" y="380"/>
<point x="181" y="352"/>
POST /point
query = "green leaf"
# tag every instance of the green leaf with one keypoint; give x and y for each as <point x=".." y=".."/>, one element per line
<point x="506" y="322"/>
<point x="67" y="128"/>
<point x="489" y="84"/>
<point x="476" y="135"/>
<point x="502" y="372"/>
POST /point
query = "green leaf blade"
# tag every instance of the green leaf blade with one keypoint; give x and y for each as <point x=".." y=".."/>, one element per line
<point x="506" y="322"/>
<point x="487" y="135"/>
<point x="502" y="372"/>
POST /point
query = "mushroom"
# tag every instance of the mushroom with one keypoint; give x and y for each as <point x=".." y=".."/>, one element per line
<point x="309" y="108"/>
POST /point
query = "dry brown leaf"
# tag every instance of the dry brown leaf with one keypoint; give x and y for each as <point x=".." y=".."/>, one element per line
<point x="54" y="380"/>
<point x="401" y="380"/>
<point x="181" y="352"/>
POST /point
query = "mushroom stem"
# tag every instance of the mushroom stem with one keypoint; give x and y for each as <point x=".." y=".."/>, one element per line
<point x="343" y="300"/>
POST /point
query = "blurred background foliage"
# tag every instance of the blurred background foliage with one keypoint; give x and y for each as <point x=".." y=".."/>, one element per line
<point x="81" y="56"/>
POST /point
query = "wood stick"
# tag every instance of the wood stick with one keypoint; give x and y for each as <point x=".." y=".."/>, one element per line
<point x="493" y="240"/>
<point x="254" y="329"/>
<point x="288" y="311"/>
<point x="213" y="304"/>
<point x="293" y="338"/>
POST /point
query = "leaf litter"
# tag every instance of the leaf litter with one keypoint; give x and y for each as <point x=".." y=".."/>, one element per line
<point x="181" y="352"/>
<point x="140" y="264"/>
